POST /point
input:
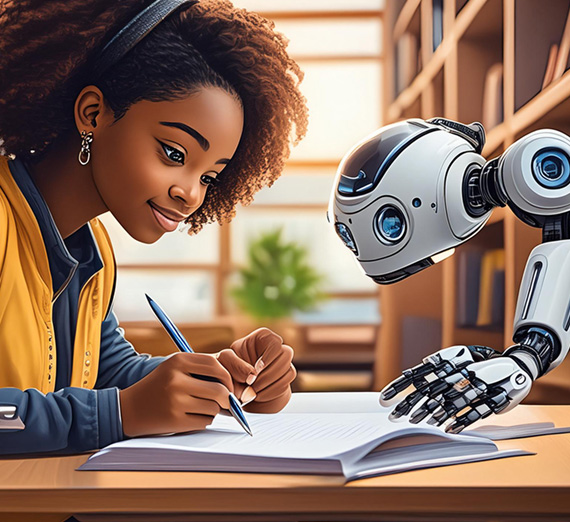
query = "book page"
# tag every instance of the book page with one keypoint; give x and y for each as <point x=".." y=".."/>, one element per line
<point x="293" y="435"/>
<point x="368" y="402"/>
<point x="335" y="402"/>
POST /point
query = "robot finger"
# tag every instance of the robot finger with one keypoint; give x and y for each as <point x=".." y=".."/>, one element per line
<point x="498" y="401"/>
<point x="437" y="392"/>
<point x="495" y="401"/>
<point x="425" y="409"/>
<point x="415" y="376"/>
<point x="433" y="392"/>
<point x="461" y="393"/>
<point x="394" y="388"/>
<point x="405" y="406"/>
<point x="427" y="390"/>
<point x="479" y="410"/>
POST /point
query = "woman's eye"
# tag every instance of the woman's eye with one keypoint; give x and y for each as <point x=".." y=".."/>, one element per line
<point x="173" y="154"/>
<point x="208" y="180"/>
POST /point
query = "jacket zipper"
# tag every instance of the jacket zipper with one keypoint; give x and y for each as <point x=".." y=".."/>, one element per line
<point x="65" y="284"/>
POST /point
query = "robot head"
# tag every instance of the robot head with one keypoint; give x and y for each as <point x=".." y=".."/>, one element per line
<point x="398" y="198"/>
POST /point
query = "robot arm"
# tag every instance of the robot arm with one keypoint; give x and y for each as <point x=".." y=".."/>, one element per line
<point x="406" y="196"/>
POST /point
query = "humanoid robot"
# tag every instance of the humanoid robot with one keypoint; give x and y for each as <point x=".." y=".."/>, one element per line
<point x="406" y="196"/>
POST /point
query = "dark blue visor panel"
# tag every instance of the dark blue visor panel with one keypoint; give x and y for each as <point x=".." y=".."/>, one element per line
<point x="365" y="167"/>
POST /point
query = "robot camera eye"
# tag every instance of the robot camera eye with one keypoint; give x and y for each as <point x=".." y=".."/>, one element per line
<point x="551" y="168"/>
<point x="390" y="224"/>
<point x="345" y="235"/>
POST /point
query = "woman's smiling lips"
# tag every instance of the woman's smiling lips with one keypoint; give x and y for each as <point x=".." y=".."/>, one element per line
<point x="167" y="219"/>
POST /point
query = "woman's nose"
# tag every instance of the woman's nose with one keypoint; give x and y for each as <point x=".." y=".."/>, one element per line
<point x="188" y="192"/>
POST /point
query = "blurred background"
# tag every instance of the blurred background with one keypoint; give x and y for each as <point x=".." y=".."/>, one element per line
<point x="278" y="264"/>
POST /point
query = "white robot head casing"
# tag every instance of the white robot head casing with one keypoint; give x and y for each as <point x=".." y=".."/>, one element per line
<point x="397" y="201"/>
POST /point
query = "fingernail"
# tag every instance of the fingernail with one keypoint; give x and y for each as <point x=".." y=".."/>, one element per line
<point x="259" y="365"/>
<point x="418" y="416"/>
<point x="394" y="415"/>
<point x="454" y="428"/>
<point x="248" y="395"/>
<point x="251" y="378"/>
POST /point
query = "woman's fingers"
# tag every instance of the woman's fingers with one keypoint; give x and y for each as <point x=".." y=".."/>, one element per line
<point x="278" y="387"/>
<point x="273" y="406"/>
<point x="273" y="371"/>
<point x="278" y="367"/>
<point x="272" y="389"/>
<point x="198" y="406"/>
<point x="203" y="365"/>
<point x="195" y="422"/>
<point x="268" y="347"/>
<point x="259" y="348"/>
<point x="239" y="369"/>
<point x="209" y="390"/>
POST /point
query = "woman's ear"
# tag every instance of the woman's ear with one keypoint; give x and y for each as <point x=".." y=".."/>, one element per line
<point x="90" y="109"/>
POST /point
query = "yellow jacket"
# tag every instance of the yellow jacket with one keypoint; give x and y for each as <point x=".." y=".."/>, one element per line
<point x="27" y="341"/>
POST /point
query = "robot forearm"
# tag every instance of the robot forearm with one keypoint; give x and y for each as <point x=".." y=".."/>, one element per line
<point x="542" y="318"/>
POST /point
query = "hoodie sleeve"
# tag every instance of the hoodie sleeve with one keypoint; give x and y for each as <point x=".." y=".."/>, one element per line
<point x="71" y="420"/>
<point x="74" y="420"/>
<point x="120" y="364"/>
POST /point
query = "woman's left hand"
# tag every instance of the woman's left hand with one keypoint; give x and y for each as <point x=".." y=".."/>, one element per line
<point x="262" y="370"/>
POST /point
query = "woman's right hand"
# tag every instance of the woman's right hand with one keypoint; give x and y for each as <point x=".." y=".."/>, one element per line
<point x="170" y="400"/>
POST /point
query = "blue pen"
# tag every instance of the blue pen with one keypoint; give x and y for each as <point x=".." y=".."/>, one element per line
<point x="182" y="344"/>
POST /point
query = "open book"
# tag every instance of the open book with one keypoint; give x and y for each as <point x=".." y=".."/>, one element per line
<point x="317" y="433"/>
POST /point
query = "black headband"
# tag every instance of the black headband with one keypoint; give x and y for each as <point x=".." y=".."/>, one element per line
<point x="134" y="32"/>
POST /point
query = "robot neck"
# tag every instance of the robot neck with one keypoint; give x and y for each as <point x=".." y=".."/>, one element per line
<point x="483" y="192"/>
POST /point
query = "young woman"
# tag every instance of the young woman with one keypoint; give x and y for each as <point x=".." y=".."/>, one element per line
<point x="160" y="112"/>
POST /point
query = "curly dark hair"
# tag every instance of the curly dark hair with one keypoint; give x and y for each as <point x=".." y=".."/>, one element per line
<point x="47" y="55"/>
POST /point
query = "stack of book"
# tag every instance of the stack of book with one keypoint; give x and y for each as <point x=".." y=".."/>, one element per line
<point x="481" y="288"/>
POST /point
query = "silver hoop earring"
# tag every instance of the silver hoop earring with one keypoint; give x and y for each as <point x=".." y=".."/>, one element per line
<point x="85" y="152"/>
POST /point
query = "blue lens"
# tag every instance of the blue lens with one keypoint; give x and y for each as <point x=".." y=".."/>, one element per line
<point x="344" y="233"/>
<point x="551" y="168"/>
<point x="391" y="224"/>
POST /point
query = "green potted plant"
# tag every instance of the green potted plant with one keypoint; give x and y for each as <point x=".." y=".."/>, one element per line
<point x="277" y="281"/>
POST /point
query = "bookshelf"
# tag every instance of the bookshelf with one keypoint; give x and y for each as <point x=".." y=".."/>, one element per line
<point x="449" y="79"/>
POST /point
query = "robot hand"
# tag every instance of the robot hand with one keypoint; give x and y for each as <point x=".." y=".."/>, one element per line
<point x="473" y="381"/>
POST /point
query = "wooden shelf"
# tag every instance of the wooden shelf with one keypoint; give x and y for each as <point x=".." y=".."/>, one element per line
<point x="451" y="83"/>
<point x="497" y="216"/>
<point x="412" y="93"/>
<point x="495" y="141"/>
<point x="552" y="105"/>
<point x="405" y="17"/>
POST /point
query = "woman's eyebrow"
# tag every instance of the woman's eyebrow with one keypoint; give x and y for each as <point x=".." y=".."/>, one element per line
<point x="203" y="142"/>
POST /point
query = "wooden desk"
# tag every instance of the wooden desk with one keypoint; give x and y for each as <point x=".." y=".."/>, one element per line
<point x="528" y="488"/>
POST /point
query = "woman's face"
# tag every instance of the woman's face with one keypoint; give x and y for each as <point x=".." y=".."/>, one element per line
<point x="152" y="168"/>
